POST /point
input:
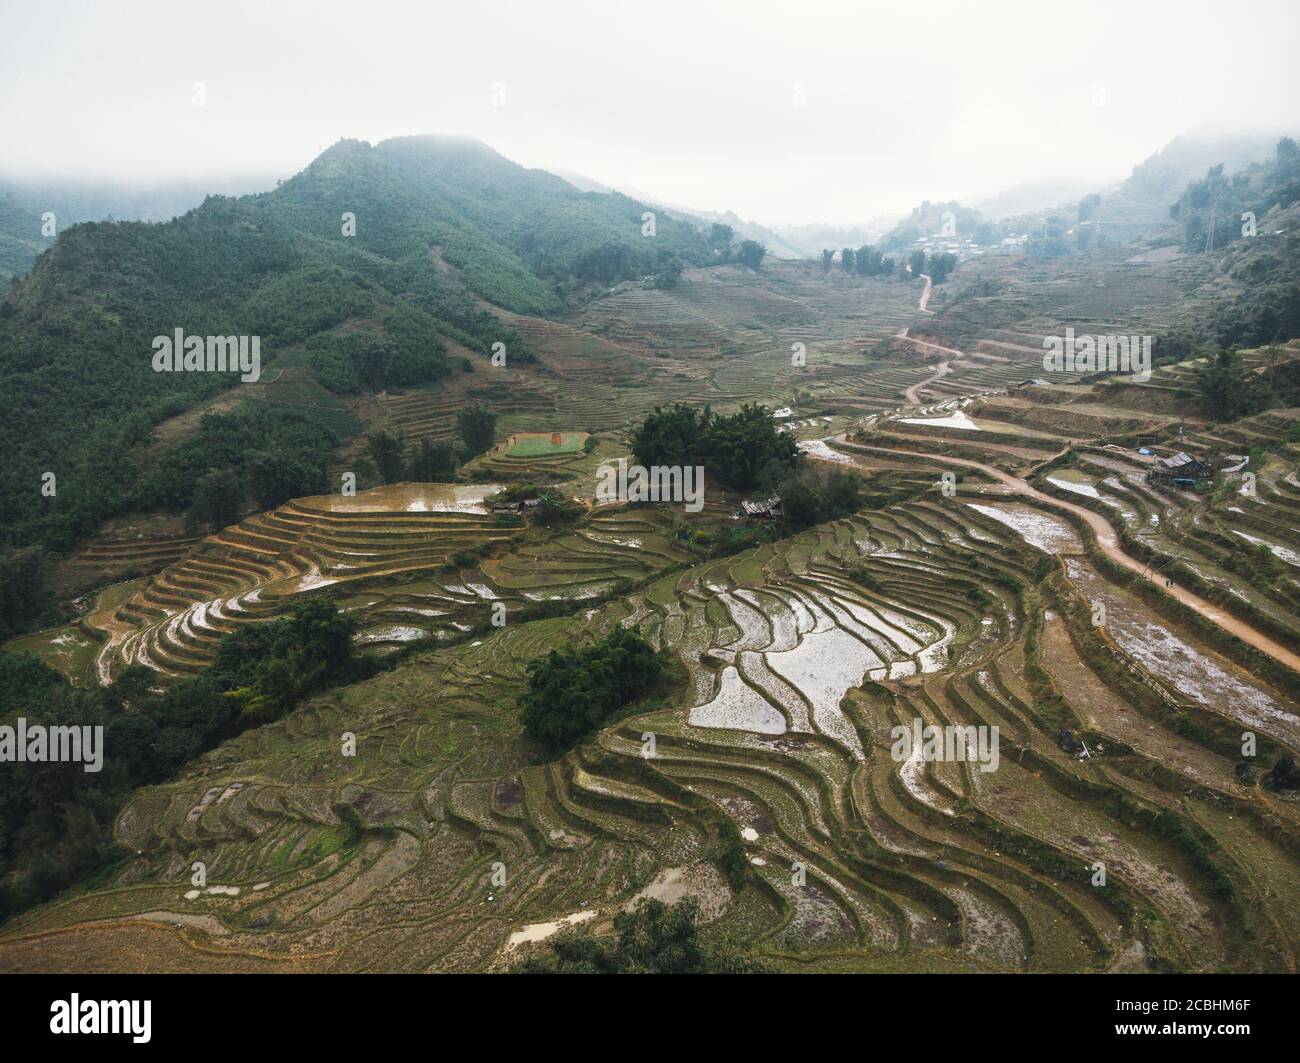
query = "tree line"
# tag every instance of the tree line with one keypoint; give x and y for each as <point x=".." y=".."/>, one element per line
<point x="56" y="820"/>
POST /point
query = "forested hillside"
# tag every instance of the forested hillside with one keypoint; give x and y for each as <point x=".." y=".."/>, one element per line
<point x="20" y="235"/>
<point x="1141" y="202"/>
<point x="434" y="225"/>
<point x="1249" y="219"/>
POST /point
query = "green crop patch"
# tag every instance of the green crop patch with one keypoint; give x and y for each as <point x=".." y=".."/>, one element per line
<point x="543" y="444"/>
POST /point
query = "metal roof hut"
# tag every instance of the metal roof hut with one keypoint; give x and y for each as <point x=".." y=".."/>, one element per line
<point x="1181" y="469"/>
<point x="763" y="508"/>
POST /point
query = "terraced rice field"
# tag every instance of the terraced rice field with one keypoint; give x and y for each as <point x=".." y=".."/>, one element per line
<point x="1116" y="831"/>
<point x="411" y="561"/>
<point x="795" y="667"/>
<point x="253" y="570"/>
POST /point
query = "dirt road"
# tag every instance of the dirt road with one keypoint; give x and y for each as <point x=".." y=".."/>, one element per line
<point x="1109" y="544"/>
<point x="925" y="295"/>
<point x="911" y="394"/>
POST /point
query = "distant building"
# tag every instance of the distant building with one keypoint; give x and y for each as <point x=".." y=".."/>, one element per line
<point x="526" y="505"/>
<point x="1182" y="470"/>
<point x="763" y="508"/>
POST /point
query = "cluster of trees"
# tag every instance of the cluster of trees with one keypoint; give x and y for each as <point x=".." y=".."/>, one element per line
<point x="57" y="819"/>
<point x="937" y="267"/>
<point x="422" y="462"/>
<point x="1051" y="240"/>
<point x="940" y="266"/>
<point x="871" y="263"/>
<point x="815" y="494"/>
<point x="268" y="668"/>
<point x="408" y="352"/>
<point x="426" y="461"/>
<point x="478" y="426"/>
<point x="1229" y="390"/>
<point x="571" y="692"/>
<point x="720" y="237"/>
<point x="866" y="261"/>
<point x="1210" y="210"/>
<point x="260" y="454"/>
<point x="669" y="274"/>
<point x="743" y="450"/>
<point x="653" y="938"/>
<point x="751" y="253"/>
<point x="609" y="263"/>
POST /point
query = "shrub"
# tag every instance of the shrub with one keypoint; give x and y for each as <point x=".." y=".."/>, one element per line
<point x="653" y="938"/>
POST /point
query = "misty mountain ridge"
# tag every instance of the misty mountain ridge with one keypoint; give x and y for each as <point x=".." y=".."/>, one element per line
<point x="441" y="224"/>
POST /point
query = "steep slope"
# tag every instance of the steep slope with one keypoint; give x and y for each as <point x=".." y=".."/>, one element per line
<point x="22" y="202"/>
<point x="20" y="236"/>
<point x="441" y="224"/>
<point x="1142" y="202"/>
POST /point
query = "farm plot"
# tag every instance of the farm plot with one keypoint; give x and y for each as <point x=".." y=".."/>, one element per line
<point x="798" y="659"/>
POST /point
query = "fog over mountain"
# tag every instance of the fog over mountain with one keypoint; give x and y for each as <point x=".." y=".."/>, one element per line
<point x="820" y="112"/>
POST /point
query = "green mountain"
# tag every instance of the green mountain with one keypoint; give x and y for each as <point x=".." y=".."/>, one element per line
<point x="1141" y="203"/>
<point x="20" y="236"/>
<point x="73" y="202"/>
<point x="1248" y="220"/>
<point x="441" y="224"/>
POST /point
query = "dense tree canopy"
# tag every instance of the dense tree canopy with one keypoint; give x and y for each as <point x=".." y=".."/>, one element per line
<point x="1227" y="389"/>
<point x="571" y="692"/>
<point x="478" y="427"/>
<point x="814" y="495"/>
<point x="751" y="253"/>
<point x="743" y="450"/>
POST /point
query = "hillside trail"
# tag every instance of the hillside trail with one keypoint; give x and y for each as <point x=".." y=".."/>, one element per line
<point x="911" y="394"/>
<point x="902" y="334"/>
<point x="1108" y="541"/>
<point x="925" y="295"/>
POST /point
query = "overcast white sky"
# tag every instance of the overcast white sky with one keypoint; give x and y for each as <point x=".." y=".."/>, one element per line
<point x="693" y="102"/>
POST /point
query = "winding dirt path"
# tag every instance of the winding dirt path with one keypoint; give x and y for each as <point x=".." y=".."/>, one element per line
<point x="910" y="394"/>
<point x="1109" y="544"/>
<point x="925" y="295"/>
<point x="902" y="334"/>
